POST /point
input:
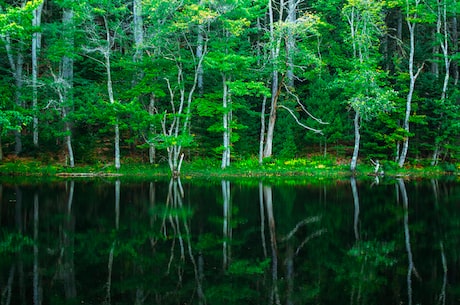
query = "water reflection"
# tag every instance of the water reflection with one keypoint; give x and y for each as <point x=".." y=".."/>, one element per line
<point x="165" y="242"/>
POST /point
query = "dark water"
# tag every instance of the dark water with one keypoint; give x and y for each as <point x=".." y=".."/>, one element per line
<point x="161" y="242"/>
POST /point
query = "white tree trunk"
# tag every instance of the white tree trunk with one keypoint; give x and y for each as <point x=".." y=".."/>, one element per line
<point x="354" y="159"/>
<point x="226" y="118"/>
<point x="413" y="77"/>
<point x="36" y="42"/>
<point x="107" y="53"/>
<point x="138" y="29"/>
<point x="67" y="75"/>
<point x="152" y="150"/>
<point x="274" y="54"/>
<point x="262" y="131"/>
<point x="290" y="44"/>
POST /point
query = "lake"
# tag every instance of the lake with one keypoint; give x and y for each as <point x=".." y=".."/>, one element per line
<point x="230" y="242"/>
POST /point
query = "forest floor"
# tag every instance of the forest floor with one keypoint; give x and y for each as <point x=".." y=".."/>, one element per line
<point x="315" y="168"/>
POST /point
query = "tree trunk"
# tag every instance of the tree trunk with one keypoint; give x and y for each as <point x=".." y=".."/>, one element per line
<point x="262" y="131"/>
<point x="110" y="93"/>
<point x="455" y="70"/>
<point x="290" y="44"/>
<point x="413" y="77"/>
<point x="274" y="53"/>
<point x="16" y="66"/>
<point x="226" y="118"/>
<point x="354" y="159"/>
<point x="138" y="29"/>
<point x="152" y="130"/>
<point x="36" y="42"/>
<point x="67" y="75"/>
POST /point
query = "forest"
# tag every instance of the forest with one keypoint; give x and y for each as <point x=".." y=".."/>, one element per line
<point x="158" y="81"/>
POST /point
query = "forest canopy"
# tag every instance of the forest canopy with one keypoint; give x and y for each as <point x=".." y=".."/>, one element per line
<point x="167" y="81"/>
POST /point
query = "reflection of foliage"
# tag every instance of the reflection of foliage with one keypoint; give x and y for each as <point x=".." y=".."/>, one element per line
<point x="14" y="242"/>
<point x="246" y="267"/>
<point x="375" y="253"/>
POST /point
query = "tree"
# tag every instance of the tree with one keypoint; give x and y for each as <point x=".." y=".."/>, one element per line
<point x="104" y="19"/>
<point x="171" y="47"/>
<point x="365" y="20"/>
<point x="285" y="28"/>
<point x="412" y="15"/>
<point x="14" y="27"/>
<point x="36" y="45"/>
<point x="61" y="56"/>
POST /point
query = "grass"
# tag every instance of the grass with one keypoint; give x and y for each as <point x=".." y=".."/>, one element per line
<point x="300" y="168"/>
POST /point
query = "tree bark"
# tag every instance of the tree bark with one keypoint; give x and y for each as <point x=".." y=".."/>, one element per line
<point x="455" y="70"/>
<point x="262" y="131"/>
<point x="354" y="159"/>
<point x="16" y="66"/>
<point x="413" y="77"/>
<point x="36" y="43"/>
<point x="226" y="122"/>
<point x="274" y="54"/>
<point x="290" y="44"/>
<point x="67" y="75"/>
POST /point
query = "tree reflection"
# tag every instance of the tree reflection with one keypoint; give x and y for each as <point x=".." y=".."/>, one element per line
<point x="411" y="267"/>
<point x="227" y="225"/>
<point x="178" y="218"/>
<point x="66" y="267"/>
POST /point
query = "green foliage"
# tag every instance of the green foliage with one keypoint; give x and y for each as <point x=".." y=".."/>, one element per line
<point x="11" y="243"/>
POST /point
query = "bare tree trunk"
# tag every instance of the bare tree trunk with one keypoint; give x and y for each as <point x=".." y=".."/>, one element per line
<point x="226" y="123"/>
<point x="455" y="70"/>
<point x="274" y="54"/>
<point x="443" y="31"/>
<point x="354" y="159"/>
<point x="138" y="29"/>
<point x="36" y="42"/>
<point x="110" y="93"/>
<point x="413" y="77"/>
<point x="67" y="75"/>
<point x="262" y="131"/>
<point x="152" y="149"/>
<point x="290" y="44"/>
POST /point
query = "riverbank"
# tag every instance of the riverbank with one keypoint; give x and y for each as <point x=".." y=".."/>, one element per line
<point x="205" y="168"/>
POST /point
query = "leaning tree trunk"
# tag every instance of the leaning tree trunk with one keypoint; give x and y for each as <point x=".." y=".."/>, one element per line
<point x="413" y="77"/>
<point x="274" y="54"/>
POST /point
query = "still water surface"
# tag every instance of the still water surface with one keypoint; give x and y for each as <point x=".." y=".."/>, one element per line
<point x="202" y="242"/>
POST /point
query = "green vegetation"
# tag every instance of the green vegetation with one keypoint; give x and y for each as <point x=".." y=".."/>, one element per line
<point x="170" y="83"/>
<point x="313" y="168"/>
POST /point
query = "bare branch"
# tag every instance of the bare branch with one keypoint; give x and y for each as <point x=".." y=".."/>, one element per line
<point x="303" y="107"/>
<point x="298" y="122"/>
